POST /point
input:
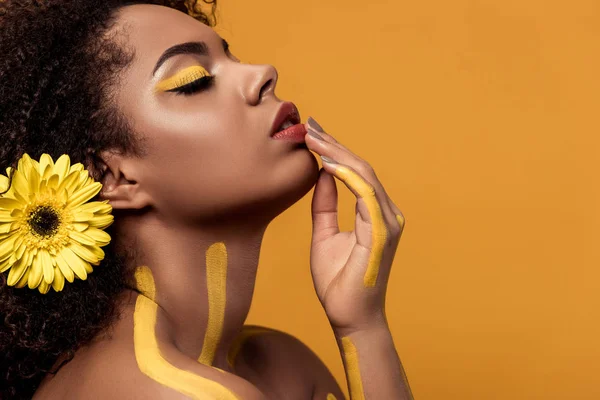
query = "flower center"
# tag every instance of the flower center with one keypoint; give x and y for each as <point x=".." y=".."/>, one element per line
<point x="44" y="220"/>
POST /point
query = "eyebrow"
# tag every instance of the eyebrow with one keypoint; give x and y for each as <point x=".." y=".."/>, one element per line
<point x="198" y="48"/>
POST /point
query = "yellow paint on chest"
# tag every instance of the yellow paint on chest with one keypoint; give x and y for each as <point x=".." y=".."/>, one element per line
<point x="379" y="233"/>
<point x="352" y="369"/>
<point x="149" y="358"/>
<point x="216" y="284"/>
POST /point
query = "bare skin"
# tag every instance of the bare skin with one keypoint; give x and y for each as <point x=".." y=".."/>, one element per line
<point x="212" y="173"/>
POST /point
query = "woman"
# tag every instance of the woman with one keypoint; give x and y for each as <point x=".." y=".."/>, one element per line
<point x="195" y="156"/>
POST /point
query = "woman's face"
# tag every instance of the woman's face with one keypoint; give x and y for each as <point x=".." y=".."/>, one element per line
<point x="209" y="149"/>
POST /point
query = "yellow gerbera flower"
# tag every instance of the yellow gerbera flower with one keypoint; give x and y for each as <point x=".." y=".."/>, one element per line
<point x="47" y="232"/>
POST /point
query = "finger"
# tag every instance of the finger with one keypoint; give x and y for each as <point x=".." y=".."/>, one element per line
<point x="316" y="128"/>
<point x="343" y="156"/>
<point x="371" y="213"/>
<point x="397" y="213"/>
<point x="324" y="207"/>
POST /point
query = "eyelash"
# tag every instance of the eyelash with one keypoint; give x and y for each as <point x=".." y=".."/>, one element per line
<point x="195" y="86"/>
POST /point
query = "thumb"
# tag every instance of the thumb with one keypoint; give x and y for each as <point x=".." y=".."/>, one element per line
<point x="324" y="207"/>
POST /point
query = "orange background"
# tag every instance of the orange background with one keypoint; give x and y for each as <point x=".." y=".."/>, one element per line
<point x="480" y="118"/>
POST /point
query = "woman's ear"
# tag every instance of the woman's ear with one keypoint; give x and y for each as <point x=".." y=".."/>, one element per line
<point x="119" y="185"/>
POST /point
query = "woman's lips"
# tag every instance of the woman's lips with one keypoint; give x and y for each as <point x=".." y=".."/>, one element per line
<point x="294" y="133"/>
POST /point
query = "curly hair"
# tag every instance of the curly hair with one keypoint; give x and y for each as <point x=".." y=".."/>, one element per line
<point x="58" y="69"/>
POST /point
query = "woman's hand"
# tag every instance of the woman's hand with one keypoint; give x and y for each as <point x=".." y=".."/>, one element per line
<point x="350" y="270"/>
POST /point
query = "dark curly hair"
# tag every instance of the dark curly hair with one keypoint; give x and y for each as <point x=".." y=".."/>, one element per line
<point x="58" y="68"/>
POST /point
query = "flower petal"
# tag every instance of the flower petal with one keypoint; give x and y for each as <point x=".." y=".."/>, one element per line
<point x="79" y="216"/>
<point x="5" y="216"/>
<point x="102" y="221"/>
<point x="8" y="227"/>
<point x="75" y="263"/>
<point x="3" y="183"/>
<point x="81" y="238"/>
<point x="77" y="167"/>
<point x="36" y="273"/>
<point x="20" y="184"/>
<point x="59" y="280"/>
<point x="46" y="265"/>
<point x="101" y="237"/>
<point x="10" y="204"/>
<point x="80" y="226"/>
<point x="44" y="287"/>
<point x="53" y="181"/>
<point x="8" y="246"/>
<point x="25" y="165"/>
<point x="97" y="207"/>
<point x="86" y="252"/>
<point x="34" y="181"/>
<point x="16" y="272"/>
<point x="45" y="163"/>
<point x="84" y="194"/>
<point x="23" y="281"/>
<point x="69" y="182"/>
<point x="62" y="166"/>
<point x="64" y="267"/>
<point x="6" y="264"/>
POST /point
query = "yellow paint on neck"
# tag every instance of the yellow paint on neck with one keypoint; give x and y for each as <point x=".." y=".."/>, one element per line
<point x="379" y="232"/>
<point x="148" y="356"/>
<point x="216" y="284"/>
<point x="352" y="369"/>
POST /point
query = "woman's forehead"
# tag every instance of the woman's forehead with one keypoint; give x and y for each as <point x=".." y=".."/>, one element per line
<point x="154" y="27"/>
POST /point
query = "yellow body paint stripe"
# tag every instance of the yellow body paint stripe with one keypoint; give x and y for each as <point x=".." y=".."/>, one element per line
<point x="216" y="283"/>
<point x="352" y="369"/>
<point x="149" y="358"/>
<point x="379" y="231"/>
<point x="330" y="396"/>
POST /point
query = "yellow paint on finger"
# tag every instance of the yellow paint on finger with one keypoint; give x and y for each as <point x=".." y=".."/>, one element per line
<point x="216" y="282"/>
<point x="149" y="358"/>
<point x="352" y="369"/>
<point x="401" y="221"/>
<point x="379" y="231"/>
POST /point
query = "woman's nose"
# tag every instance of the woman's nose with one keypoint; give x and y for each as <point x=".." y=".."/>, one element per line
<point x="261" y="82"/>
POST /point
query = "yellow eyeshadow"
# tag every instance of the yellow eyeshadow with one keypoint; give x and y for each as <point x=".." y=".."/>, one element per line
<point x="181" y="78"/>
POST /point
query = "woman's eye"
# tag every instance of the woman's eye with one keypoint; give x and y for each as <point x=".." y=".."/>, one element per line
<point x="194" y="86"/>
<point x="188" y="81"/>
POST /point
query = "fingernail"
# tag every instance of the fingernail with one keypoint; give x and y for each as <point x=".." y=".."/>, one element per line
<point x="313" y="133"/>
<point x="328" y="160"/>
<point x="315" y="125"/>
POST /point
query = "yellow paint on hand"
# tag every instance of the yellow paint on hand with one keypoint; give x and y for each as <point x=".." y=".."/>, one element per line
<point x="330" y="396"/>
<point x="352" y="369"/>
<point x="379" y="231"/>
<point x="216" y="283"/>
<point x="149" y="358"/>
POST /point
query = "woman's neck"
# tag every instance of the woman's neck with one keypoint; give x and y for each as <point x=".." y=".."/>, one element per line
<point x="204" y="282"/>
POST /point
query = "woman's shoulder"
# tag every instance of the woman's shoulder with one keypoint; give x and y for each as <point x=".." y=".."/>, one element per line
<point x="276" y="361"/>
<point x="266" y="363"/>
<point x="108" y="369"/>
